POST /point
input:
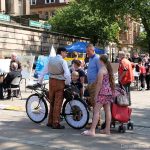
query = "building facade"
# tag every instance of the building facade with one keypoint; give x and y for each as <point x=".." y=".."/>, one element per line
<point x="15" y="7"/>
<point x="128" y="36"/>
<point x="46" y="8"/>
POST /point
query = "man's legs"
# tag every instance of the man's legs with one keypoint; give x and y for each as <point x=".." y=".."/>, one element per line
<point x="127" y="88"/>
<point x="91" y="89"/>
<point x="59" y="92"/>
<point x="58" y="102"/>
<point x="148" y="81"/>
<point x="52" y="86"/>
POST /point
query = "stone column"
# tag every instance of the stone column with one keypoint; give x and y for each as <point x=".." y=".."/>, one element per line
<point x="2" y="6"/>
<point x="26" y="7"/>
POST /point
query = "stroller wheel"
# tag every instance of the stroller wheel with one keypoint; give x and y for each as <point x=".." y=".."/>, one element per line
<point x="122" y="129"/>
<point x="130" y="126"/>
<point x="113" y="124"/>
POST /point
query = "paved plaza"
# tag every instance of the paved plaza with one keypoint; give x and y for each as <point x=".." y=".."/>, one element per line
<point x="17" y="132"/>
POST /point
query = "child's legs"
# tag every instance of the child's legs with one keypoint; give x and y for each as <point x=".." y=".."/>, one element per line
<point x="108" y="116"/>
<point x="96" y="114"/>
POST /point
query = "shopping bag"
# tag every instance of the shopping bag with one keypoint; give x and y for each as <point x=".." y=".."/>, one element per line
<point x="121" y="114"/>
<point x="122" y="97"/>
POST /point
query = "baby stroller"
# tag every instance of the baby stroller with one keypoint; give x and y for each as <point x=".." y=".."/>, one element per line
<point x="120" y="111"/>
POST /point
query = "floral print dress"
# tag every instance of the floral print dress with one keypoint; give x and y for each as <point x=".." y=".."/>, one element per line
<point x="105" y="95"/>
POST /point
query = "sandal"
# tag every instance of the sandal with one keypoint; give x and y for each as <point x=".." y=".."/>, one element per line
<point x="87" y="133"/>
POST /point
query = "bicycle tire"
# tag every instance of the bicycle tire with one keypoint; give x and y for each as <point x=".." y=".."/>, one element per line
<point x="76" y="121"/>
<point x="36" y="114"/>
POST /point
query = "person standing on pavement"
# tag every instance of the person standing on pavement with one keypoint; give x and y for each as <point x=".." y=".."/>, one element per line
<point x="136" y="58"/>
<point x="59" y="75"/>
<point x="92" y="72"/>
<point x="125" y="73"/>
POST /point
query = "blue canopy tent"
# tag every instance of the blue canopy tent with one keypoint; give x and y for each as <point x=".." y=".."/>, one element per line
<point x="80" y="47"/>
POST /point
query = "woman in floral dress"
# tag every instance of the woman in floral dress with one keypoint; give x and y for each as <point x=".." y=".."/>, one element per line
<point x="103" y="96"/>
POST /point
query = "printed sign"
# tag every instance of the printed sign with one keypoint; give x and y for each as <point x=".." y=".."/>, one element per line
<point x="4" y="65"/>
<point x="26" y="64"/>
<point x="40" y="65"/>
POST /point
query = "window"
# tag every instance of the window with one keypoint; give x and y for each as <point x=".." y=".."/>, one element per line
<point x="46" y="15"/>
<point x="49" y="1"/>
<point x="33" y="2"/>
<point x="52" y="13"/>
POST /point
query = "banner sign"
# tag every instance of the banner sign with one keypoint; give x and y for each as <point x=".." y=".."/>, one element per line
<point x="39" y="25"/>
<point x="40" y="65"/>
<point x="4" y="17"/>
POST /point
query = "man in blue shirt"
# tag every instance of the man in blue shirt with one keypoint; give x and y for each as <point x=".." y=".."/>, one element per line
<point x="92" y="72"/>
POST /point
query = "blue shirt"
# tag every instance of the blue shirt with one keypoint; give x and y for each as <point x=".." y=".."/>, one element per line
<point x="93" y="68"/>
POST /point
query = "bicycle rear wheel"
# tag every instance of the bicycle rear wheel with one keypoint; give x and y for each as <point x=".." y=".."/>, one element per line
<point x="36" y="108"/>
<point x="76" y="113"/>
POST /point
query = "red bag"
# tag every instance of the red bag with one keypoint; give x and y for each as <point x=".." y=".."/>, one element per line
<point x="121" y="114"/>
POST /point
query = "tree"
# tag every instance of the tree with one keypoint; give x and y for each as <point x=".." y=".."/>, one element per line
<point x="79" y="19"/>
<point x="138" y="9"/>
<point x="141" y="41"/>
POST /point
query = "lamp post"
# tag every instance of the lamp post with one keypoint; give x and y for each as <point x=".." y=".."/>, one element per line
<point x="112" y="54"/>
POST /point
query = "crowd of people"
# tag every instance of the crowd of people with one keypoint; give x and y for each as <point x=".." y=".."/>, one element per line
<point x="99" y="78"/>
<point x="100" y="84"/>
<point x="141" y="66"/>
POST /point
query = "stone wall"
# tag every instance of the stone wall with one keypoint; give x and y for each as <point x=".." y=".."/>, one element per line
<point x="26" y="41"/>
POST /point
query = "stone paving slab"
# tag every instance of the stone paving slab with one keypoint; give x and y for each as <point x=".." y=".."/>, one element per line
<point x="17" y="132"/>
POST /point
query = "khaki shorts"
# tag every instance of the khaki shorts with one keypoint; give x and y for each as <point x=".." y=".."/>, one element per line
<point x="91" y="89"/>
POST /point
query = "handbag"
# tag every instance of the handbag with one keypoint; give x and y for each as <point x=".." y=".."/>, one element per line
<point x="122" y="99"/>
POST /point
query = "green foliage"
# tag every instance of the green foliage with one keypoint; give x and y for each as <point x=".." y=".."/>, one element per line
<point x="138" y="9"/>
<point x="100" y="20"/>
<point x="142" y="41"/>
<point x="79" y="19"/>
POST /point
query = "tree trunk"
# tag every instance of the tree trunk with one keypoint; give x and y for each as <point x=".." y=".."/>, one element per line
<point x="149" y="45"/>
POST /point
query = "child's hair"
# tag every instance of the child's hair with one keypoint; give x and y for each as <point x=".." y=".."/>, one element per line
<point x="105" y="60"/>
<point x="75" y="73"/>
<point x="77" y="62"/>
<point x="75" y="54"/>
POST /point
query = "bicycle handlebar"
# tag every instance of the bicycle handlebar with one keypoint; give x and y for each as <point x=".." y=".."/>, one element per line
<point x="36" y="86"/>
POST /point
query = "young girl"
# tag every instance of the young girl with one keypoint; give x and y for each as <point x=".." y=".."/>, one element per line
<point x="103" y="96"/>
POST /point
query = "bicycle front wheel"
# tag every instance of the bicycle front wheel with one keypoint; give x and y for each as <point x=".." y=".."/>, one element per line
<point x="36" y="108"/>
<point x="76" y="113"/>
